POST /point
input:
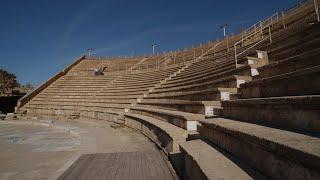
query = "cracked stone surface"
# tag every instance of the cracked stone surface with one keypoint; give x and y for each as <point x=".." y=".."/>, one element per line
<point x="37" y="150"/>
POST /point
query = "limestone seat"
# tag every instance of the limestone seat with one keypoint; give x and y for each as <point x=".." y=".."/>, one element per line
<point x="274" y="152"/>
<point x="183" y="120"/>
<point x="290" y="112"/>
<point x="166" y="135"/>
<point x="300" y="82"/>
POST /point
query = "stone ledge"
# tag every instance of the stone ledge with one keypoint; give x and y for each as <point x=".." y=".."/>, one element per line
<point x="207" y="162"/>
<point x="278" y="153"/>
<point x="162" y="133"/>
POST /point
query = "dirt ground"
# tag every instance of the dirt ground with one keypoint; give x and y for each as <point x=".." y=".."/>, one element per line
<point x="44" y="150"/>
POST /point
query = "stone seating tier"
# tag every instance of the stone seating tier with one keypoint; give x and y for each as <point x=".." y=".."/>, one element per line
<point x="203" y="161"/>
<point x="299" y="82"/>
<point x="291" y="112"/>
<point x="276" y="153"/>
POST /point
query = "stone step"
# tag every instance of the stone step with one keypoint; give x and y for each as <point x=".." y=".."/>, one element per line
<point x="304" y="60"/>
<point x="98" y="96"/>
<point x="74" y="108"/>
<point x="194" y="71"/>
<point x="201" y="65"/>
<point x="96" y="113"/>
<point x="296" y="49"/>
<point x="204" y="161"/>
<point x="243" y="73"/>
<point x="129" y="90"/>
<point x="137" y="82"/>
<point x="198" y="107"/>
<point x="86" y="78"/>
<point x="98" y="93"/>
<point x="165" y="135"/>
<point x="71" y="88"/>
<point x="139" y="86"/>
<point x="233" y="81"/>
<point x="77" y="106"/>
<point x="81" y="81"/>
<point x="58" y="90"/>
<point x="306" y="40"/>
<point x="121" y="93"/>
<point x="149" y="75"/>
<point x="278" y="154"/>
<point x="82" y="101"/>
<point x="212" y="94"/>
<point x="196" y="78"/>
<point x="299" y="113"/>
<point x="53" y="86"/>
<point x="301" y="82"/>
<point x="183" y="120"/>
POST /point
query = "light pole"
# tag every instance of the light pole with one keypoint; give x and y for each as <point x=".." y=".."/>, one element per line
<point x="153" y="48"/>
<point x="89" y="50"/>
<point x="224" y="27"/>
<point x="316" y="6"/>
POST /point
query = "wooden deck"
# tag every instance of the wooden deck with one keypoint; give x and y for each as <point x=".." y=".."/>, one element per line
<point x="124" y="165"/>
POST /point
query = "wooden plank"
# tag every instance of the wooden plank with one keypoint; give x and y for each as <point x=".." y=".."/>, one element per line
<point x="124" y="165"/>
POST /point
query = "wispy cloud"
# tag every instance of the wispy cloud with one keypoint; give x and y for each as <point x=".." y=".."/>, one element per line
<point x="147" y="32"/>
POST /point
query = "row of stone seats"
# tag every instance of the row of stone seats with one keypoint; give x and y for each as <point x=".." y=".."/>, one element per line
<point x="157" y="107"/>
<point x="154" y="121"/>
<point x="90" y="63"/>
<point x="172" y="58"/>
<point x="201" y="73"/>
<point x="111" y="101"/>
<point x="291" y="87"/>
<point x="192" y="90"/>
<point x="65" y="91"/>
<point x="116" y="96"/>
<point x="274" y="126"/>
<point x="58" y="98"/>
<point x="169" y="110"/>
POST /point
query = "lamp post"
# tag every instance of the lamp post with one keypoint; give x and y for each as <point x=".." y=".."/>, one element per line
<point x="89" y="50"/>
<point x="153" y="48"/>
<point x="224" y="27"/>
<point x="316" y="6"/>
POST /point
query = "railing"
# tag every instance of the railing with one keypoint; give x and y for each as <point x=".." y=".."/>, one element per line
<point x="256" y="34"/>
<point x="259" y="25"/>
<point x="250" y="38"/>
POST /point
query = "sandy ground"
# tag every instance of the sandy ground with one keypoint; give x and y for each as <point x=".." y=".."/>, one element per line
<point x="42" y="150"/>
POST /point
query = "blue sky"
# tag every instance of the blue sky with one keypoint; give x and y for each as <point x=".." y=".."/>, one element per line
<point x="38" y="38"/>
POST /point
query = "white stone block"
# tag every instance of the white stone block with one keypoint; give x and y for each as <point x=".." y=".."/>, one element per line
<point x="225" y="96"/>
<point x="239" y="82"/>
<point x="254" y="72"/>
<point x="192" y="125"/>
<point x="250" y="62"/>
<point x="209" y="111"/>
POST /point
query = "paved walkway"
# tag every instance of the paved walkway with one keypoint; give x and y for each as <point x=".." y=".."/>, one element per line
<point x="41" y="150"/>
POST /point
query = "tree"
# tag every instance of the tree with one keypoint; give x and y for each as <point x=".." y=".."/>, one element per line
<point x="7" y="81"/>
<point x="26" y="88"/>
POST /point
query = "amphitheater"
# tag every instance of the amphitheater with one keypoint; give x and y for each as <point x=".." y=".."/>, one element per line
<point x="244" y="107"/>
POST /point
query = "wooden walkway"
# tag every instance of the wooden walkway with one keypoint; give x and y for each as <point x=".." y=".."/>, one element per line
<point x="124" y="165"/>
